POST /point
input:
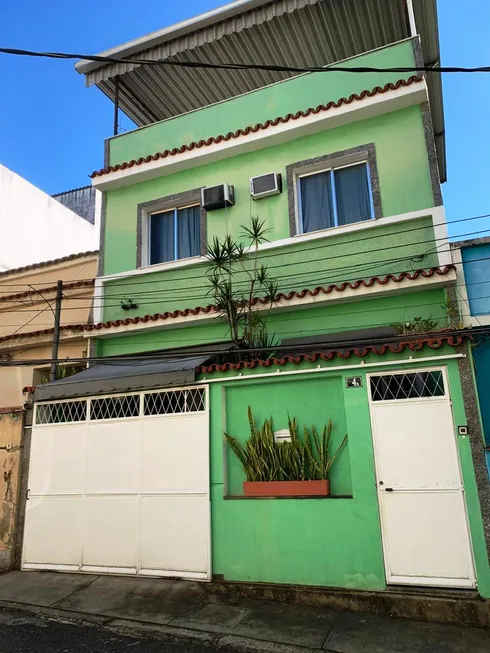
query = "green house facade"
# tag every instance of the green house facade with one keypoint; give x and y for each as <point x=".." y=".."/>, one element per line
<point x="363" y="323"/>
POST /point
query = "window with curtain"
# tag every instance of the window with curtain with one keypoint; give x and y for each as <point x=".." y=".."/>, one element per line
<point x="174" y="234"/>
<point x="335" y="197"/>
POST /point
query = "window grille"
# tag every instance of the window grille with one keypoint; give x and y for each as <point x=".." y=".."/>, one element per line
<point x="407" y="386"/>
<point x="61" y="412"/>
<point x="175" y="401"/>
<point x="115" y="407"/>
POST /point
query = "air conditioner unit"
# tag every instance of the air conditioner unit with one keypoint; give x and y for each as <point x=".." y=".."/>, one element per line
<point x="265" y="185"/>
<point x="217" y="197"/>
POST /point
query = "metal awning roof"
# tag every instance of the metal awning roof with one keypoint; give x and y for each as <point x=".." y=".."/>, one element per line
<point x="302" y="33"/>
<point x="121" y="377"/>
<point x="158" y="370"/>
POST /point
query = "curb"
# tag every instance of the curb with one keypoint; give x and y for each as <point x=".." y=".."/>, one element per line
<point x="134" y="628"/>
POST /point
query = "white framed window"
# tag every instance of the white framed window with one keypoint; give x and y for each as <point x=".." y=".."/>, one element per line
<point x="174" y="234"/>
<point x="334" y="196"/>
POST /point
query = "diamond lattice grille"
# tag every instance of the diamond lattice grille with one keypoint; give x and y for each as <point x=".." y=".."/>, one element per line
<point x="61" y="412"/>
<point x="115" y="407"/>
<point x="175" y="401"/>
<point x="407" y="386"/>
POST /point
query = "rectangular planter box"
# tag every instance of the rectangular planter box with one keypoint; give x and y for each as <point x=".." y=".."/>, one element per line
<point x="286" y="488"/>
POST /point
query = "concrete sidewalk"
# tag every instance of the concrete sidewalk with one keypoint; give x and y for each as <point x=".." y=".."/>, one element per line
<point x="185" y="610"/>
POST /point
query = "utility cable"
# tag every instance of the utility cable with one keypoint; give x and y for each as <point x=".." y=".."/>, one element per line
<point x="314" y="283"/>
<point x="289" y="349"/>
<point x="264" y="254"/>
<point x="242" y="65"/>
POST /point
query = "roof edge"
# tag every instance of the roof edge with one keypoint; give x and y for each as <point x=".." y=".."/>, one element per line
<point x="171" y="32"/>
<point x="45" y="264"/>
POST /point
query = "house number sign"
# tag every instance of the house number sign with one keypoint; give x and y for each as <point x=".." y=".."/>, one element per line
<point x="353" y="382"/>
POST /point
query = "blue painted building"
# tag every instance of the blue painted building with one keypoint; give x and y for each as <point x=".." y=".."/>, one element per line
<point x="472" y="258"/>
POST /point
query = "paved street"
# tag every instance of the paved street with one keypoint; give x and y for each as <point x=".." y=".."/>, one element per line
<point x="187" y="611"/>
<point x="24" y="632"/>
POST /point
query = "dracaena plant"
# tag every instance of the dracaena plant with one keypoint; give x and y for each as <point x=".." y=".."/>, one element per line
<point x="236" y="279"/>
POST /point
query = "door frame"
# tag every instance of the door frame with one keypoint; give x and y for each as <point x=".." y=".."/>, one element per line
<point x="409" y="580"/>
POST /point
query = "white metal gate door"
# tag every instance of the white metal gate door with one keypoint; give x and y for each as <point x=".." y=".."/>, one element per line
<point x="120" y="484"/>
<point x="423" y="514"/>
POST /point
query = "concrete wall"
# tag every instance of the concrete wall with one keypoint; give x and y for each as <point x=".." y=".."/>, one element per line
<point x="16" y="377"/>
<point x="36" y="227"/>
<point x="11" y="436"/>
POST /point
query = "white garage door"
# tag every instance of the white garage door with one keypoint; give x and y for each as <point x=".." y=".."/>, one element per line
<point x="121" y="485"/>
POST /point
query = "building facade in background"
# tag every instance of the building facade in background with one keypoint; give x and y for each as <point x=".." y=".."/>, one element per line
<point x="472" y="259"/>
<point x="36" y="227"/>
<point x="27" y="299"/>
<point x="365" y="334"/>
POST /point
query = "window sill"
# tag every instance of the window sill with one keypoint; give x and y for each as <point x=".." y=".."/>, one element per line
<point x="171" y="265"/>
<point x="240" y="497"/>
<point x="339" y="229"/>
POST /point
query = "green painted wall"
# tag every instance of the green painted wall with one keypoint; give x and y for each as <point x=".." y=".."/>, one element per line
<point x="330" y="542"/>
<point x="341" y="258"/>
<point x="403" y="176"/>
<point x="302" y="92"/>
<point x="299" y="322"/>
<point x="313" y="402"/>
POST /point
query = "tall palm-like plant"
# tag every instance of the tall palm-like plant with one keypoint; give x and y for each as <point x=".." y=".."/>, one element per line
<point x="237" y="278"/>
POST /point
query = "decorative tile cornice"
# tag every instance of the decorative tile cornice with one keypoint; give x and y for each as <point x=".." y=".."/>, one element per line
<point x="251" y="129"/>
<point x="433" y="342"/>
<point x="281" y="297"/>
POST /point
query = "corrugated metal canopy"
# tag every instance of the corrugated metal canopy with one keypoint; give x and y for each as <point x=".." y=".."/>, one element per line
<point x="158" y="369"/>
<point x="122" y="377"/>
<point x="302" y="33"/>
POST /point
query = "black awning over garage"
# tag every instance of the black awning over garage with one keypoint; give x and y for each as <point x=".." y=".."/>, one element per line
<point x="131" y="374"/>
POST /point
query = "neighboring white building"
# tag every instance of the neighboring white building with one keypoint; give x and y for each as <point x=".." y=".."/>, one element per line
<point x="36" y="227"/>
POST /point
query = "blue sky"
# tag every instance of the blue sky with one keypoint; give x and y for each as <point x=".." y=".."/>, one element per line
<point x="52" y="128"/>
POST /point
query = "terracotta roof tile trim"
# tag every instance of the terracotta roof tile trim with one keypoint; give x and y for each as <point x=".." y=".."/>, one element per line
<point x="252" y="129"/>
<point x="11" y="409"/>
<point x="35" y="293"/>
<point x="44" y="264"/>
<point x="294" y="294"/>
<point x="42" y="332"/>
<point x="433" y="342"/>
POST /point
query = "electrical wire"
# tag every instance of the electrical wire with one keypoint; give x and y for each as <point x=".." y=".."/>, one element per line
<point x="473" y="283"/>
<point x="360" y="267"/>
<point x="242" y="65"/>
<point x="207" y="349"/>
<point x="265" y="254"/>
<point x="355" y="266"/>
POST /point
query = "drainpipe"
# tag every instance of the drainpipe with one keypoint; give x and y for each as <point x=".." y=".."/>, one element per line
<point x="411" y="18"/>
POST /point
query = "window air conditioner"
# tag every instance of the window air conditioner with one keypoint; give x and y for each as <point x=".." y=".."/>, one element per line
<point x="217" y="197"/>
<point x="265" y="185"/>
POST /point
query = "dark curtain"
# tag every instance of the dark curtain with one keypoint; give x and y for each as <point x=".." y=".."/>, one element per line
<point x="316" y="202"/>
<point x="162" y="237"/>
<point x="188" y="232"/>
<point x="352" y="194"/>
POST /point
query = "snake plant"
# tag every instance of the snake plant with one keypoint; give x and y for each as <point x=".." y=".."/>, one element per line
<point x="306" y="458"/>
